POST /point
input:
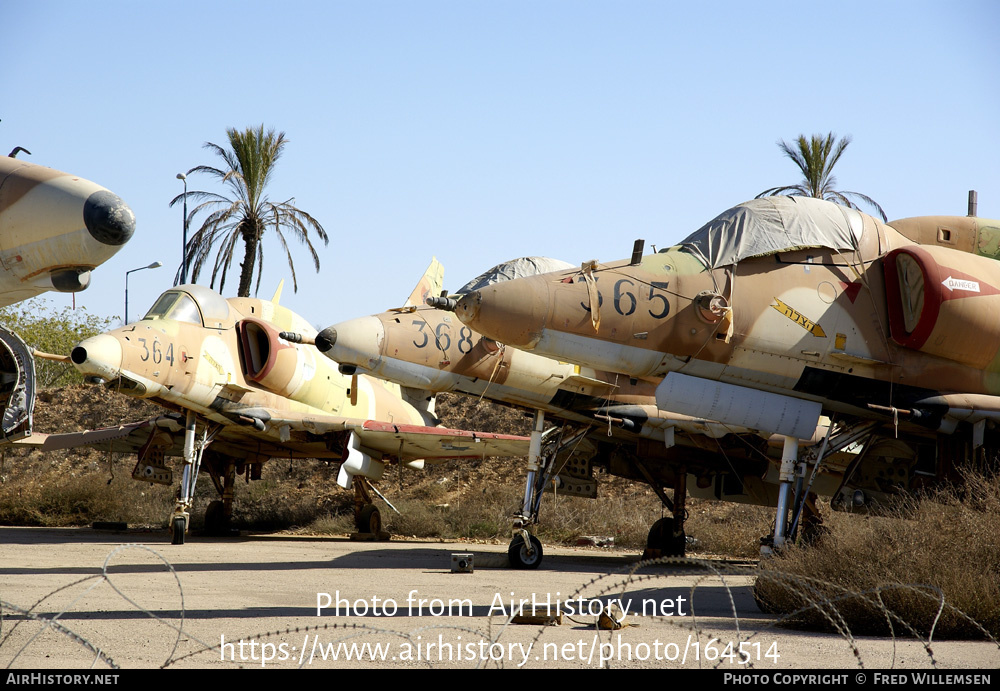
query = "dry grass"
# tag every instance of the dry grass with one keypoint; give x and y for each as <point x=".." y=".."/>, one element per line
<point x="472" y="499"/>
<point x="81" y="498"/>
<point x="944" y="546"/>
<point x="78" y="486"/>
<point x="485" y="510"/>
<point x="733" y="530"/>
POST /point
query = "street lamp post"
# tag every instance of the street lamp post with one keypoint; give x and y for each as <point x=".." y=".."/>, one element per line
<point x="154" y="265"/>
<point x="184" y="264"/>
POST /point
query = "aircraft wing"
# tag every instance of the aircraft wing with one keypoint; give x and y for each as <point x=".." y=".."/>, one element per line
<point x="433" y="443"/>
<point x="367" y="444"/>
<point x="404" y="442"/>
<point x="363" y="445"/>
<point x="123" y="438"/>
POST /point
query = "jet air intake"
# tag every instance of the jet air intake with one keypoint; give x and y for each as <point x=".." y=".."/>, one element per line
<point x="944" y="302"/>
<point x="276" y="366"/>
<point x="70" y="280"/>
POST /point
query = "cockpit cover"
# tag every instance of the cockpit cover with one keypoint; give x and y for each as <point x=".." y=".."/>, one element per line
<point x="774" y="224"/>
<point x="515" y="268"/>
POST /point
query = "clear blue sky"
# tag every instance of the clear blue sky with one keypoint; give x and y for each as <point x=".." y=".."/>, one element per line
<point x="482" y="131"/>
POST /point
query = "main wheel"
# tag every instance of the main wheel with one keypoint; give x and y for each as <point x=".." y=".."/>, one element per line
<point x="661" y="541"/>
<point x="177" y="528"/>
<point x="216" y="522"/>
<point x="369" y="520"/>
<point x="761" y="598"/>
<point x="519" y="554"/>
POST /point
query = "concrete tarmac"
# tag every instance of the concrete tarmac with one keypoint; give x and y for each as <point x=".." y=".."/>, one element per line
<point x="76" y="597"/>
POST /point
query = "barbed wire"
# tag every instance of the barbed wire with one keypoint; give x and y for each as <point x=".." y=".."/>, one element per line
<point x="806" y="601"/>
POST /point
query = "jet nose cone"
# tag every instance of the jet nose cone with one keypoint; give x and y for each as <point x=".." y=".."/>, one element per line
<point x="109" y="219"/>
<point x="98" y="356"/>
<point x="326" y="339"/>
<point x="467" y="308"/>
<point x="355" y="342"/>
<point x="511" y="312"/>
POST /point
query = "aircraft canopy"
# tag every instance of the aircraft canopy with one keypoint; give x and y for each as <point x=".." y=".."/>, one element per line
<point x="191" y="303"/>
<point x="774" y="224"/>
<point x="515" y="268"/>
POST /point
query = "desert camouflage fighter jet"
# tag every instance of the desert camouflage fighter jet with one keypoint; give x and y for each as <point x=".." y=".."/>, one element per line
<point x="54" y="229"/>
<point x="785" y="309"/>
<point x="606" y="419"/>
<point x="241" y="391"/>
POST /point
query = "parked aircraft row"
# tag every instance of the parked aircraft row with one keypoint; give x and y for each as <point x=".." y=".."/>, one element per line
<point x="870" y="349"/>
<point x="789" y="348"/>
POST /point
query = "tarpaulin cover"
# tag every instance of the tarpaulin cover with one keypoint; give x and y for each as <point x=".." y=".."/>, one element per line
<point x="774" y="224"/>
<point x="515" y="268"/>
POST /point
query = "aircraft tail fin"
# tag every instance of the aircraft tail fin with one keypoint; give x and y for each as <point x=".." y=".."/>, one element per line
<point x="430" y="284"/>
<point x="277" y="293"/>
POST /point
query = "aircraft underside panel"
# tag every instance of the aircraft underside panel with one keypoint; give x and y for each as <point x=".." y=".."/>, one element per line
<point x="575" y="472"/>
<point x="745" y="489"/>
<point x="891" y="469"/>
<point x="17" y="386"/>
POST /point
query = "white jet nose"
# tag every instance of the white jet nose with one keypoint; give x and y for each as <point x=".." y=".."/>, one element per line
<point x="98" y="356"/>
<point x="355" y="342"/>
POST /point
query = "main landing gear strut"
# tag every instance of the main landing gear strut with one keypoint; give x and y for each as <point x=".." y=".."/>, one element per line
<point x="525" y="550"/>
<point x="194" y="450"/>
<point x="795" y="492"/>
<point x="367" y="517"/>
<point x="666" y="537"/>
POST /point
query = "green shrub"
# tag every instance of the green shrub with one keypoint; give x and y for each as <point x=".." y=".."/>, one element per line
<point x="44" y="328"/>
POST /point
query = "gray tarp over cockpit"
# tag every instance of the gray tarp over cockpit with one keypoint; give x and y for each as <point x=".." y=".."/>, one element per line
<point x="515" y="268"/>
<point x="774" y="224"/>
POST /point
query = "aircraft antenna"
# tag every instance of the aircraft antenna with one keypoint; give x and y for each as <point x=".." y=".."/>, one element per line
<point x="973" y="202"/>
<point x="637" y="248"/>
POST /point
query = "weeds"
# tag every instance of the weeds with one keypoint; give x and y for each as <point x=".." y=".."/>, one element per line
<point x="935" y="554"/>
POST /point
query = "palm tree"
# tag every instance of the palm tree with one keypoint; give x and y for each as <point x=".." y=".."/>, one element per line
<point x="816" y="159"/>
<point x="247" y="213"/>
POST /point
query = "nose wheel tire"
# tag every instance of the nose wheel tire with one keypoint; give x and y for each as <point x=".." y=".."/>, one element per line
<point x="369" y="520"/>
<point x="177" y="528"/>
<point x="525" y="556"/>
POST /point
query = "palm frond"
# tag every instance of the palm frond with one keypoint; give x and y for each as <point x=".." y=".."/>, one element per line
<point x="815" y="158"/>
<point x="250" y="161"/>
